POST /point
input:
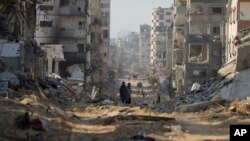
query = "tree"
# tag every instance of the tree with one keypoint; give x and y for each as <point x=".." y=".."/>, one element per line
<point x="152" y="80"/>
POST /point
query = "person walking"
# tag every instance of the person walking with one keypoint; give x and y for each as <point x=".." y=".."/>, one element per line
<point x="123" y="92"/>
<point x="158" y="98"/>
<point x="128" y="98"/>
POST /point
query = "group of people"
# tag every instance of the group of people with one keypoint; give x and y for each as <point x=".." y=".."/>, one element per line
<point x="125" y="93"/>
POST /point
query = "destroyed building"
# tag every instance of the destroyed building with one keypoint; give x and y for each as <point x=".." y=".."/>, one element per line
<point x="17" y="25"/>
<point x="105" y="19"/>
<point x="204" y="40"/>
<point x="236" y="27"/>
<point x="179" y="26"/>
<point x="64" y="22"/>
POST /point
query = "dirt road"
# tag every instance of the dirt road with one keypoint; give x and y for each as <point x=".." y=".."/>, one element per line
<point x="115" y="122"/>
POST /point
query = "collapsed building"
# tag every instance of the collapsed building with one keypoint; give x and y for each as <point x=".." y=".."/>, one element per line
<point x="17" y="26"/>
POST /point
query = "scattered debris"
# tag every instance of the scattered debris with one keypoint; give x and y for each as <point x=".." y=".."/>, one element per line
<point x="27" y="121"/>
<point x="142" y="137"/>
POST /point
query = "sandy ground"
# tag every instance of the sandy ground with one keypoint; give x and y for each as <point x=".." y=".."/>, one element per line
<point x="94" y="122"/>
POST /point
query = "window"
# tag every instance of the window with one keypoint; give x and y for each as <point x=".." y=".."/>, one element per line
<point x="105" y="14"/>
<point x="64" y="2"/>
<point x="168" y="13"/>
<point x="168" y="21"/>
<point x="198" y="54"/>
<point x="80" y="47"/>
<point x="217" y="10"/>
<point x="199" y="73"/>
<point x="164" y="55"/>
<point x="79" y="9"/>
<point x="46" y="23"/>
<point x="161" y="16"/>
<point x="105" y="33"/>
<point x="105" y="5"/>
<point x="216" y="30"/>
<point x="45" y="8"/>
<point x="80" y="25"/>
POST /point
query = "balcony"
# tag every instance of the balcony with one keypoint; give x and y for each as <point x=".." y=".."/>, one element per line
<point x="178" y="46"/>
<point x="180" y="2"/>
<point x="204" y="18"/>
<point x="180" y="10"/>
<point x="179" y="19"/>
<point x="199" y="29"/>
<point x="179" y="36"/>
<point x="197" y="38"/>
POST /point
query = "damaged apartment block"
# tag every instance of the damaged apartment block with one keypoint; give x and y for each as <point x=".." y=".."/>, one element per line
<point x="17" y="28"/>
<point x="204" y="42"/>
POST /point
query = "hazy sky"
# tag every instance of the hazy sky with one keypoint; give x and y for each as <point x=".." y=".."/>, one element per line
<point x="129" y="14"/>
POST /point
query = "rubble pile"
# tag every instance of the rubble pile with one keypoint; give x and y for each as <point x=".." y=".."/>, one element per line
<point x="208" y="91"/>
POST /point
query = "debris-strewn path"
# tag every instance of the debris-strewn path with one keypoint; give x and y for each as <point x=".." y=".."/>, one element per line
<point x="84" y="121"/>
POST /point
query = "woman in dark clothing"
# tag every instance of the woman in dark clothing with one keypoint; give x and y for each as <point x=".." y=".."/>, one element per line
<point x="128" y="99"/>
<point x="123" y="92"/>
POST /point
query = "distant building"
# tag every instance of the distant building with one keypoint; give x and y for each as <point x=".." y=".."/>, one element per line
<point x="144" y="46"/>
<point x="105" y="20"/>
<point x="161" y="20"/>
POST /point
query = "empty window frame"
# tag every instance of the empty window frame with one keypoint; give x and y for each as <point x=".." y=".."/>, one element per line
<point x="199" y="73"/>
<point x="64" y="2"/>
<point x="217" y="10"/>
<point x="46" y="23"/>
<point x="216" y="30"/>
<point x="81" y="25"/>
<point x="46" y="8"/>
<point x="198" y="53"/>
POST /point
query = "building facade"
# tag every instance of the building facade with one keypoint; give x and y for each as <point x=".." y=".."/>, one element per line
<point x="161" y="20"/>
<point x="65" y="22"/>
<point x="179" y="27"/>
<point x="105" y="20"/>
<point x="144" y="46"/>
<point x="204" y="40"/>
<point x="238" y="18"/>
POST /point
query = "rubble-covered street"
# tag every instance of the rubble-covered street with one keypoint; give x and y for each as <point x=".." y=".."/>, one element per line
<point x="60" y="118"/>
<point x="124" y="70"/>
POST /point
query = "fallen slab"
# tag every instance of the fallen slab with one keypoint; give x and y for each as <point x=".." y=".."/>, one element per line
<point x="196" y="107"/>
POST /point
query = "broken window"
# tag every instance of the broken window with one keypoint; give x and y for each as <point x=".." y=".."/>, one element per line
<point x="80" y="25"/>
<point x="199" y="73"/>
<point x="64" y="2"/>
<point x="46" y="8"/>
<point x="46" y="23"/>
<point x="198" y="9"/>
<point x="198" y="54"/>
<point x="217" y="10"/>
<point x="105" y="34"/>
